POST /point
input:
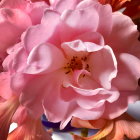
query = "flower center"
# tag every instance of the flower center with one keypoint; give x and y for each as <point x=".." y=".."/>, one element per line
<point x="76" y="63"/>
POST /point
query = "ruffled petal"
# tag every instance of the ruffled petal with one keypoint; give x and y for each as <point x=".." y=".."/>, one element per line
<point x="122" y="35"/>
<point x="104" y="13"/>
<point x="44" y="58"/>
<point x="43" y="32"/>
<point x="62" y="5"/>
<point x="51" y="110"/>
<point x="103" y="66"/>
<point x="73" y="23"/>
<point x="128" y="72"/>
<point x="12" y="21"/>
<point x="120" y="106"/>
<point x="5" y="90"/>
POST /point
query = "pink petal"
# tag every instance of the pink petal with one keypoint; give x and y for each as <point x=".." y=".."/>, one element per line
<point x="44" y="58"/>
<point x="5" y="90"/>
<point x="62" y="5"/>
<point x="31" y="97"/>
<point x="18" y="81"/>
<point x="73" y="23"/>
<point x="74" y="48"/>
<point x="36" y="11"/>
<point x="128" y="72"/>
<point x="93" y="37"/>
<point x="86" y="82"/>
<point x="51" y="109"/>
<point x="132" y="62"/>
<point x="95" y="101"/>
<point x="103" y="66"/>
<point x="19" y="59"/>
<point x="91" y="114"/>
<point x="79" y="48"/>
<point x="36" y="35"/>
<point x="81" y="113"/>
<point x="68" y="94"/>
<point x="16" y="4"/>
<point x="120" y="106"/>
<point x="104" y="13"/>
<point x="12" y="21"/>
<point x="122" y="35"/>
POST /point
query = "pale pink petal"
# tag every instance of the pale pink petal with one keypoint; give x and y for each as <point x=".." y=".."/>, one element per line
<point x="12" y="24"/>
<point x="43" y="32"/>
<point x="93" y="37"/>
<point x="74" y="48"/>
<point x="128" y="72"/>
<point x="51" y="110"/>
<point x="92" y="47"/>
<point x="5" y="89"/>
<point x="104" y="13"/>
<point x="36" y="11"/>
<point x="18" y="81"/>
<point x="86" y="3"/>
<point x="103" y="66"/>
<point x="132" y="63"/>
<point x="15" y="4"/>
<point x="98" y="100"/>
<point x="62" y="5"/>
<point x="86" y="82"/>
<point x="84" y="114"/>
<point x="44" y="58"/>
<point x="123" y="35"/>
<point x="91" y="114"/>
<point x="68" y="94"/>
<point x="116" y="108"/>
<point x="105" y="20"/>
<point x="31" y="97"/>
<point x="74" y="24"/>
<point x="91" y="102"/>
<point x="20" y="60"/>
<point x="79" y="48"/>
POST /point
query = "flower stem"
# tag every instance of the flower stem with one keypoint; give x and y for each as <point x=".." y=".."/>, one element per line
<point x="84" y="132"/>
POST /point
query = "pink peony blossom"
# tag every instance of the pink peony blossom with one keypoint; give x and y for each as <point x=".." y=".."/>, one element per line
<point x="82" y="60"/>
<point x="15" y="17"/>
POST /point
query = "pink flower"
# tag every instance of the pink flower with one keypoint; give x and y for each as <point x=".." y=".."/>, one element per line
<point x="81" y="61"/>
<point x="15" y="17"/>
